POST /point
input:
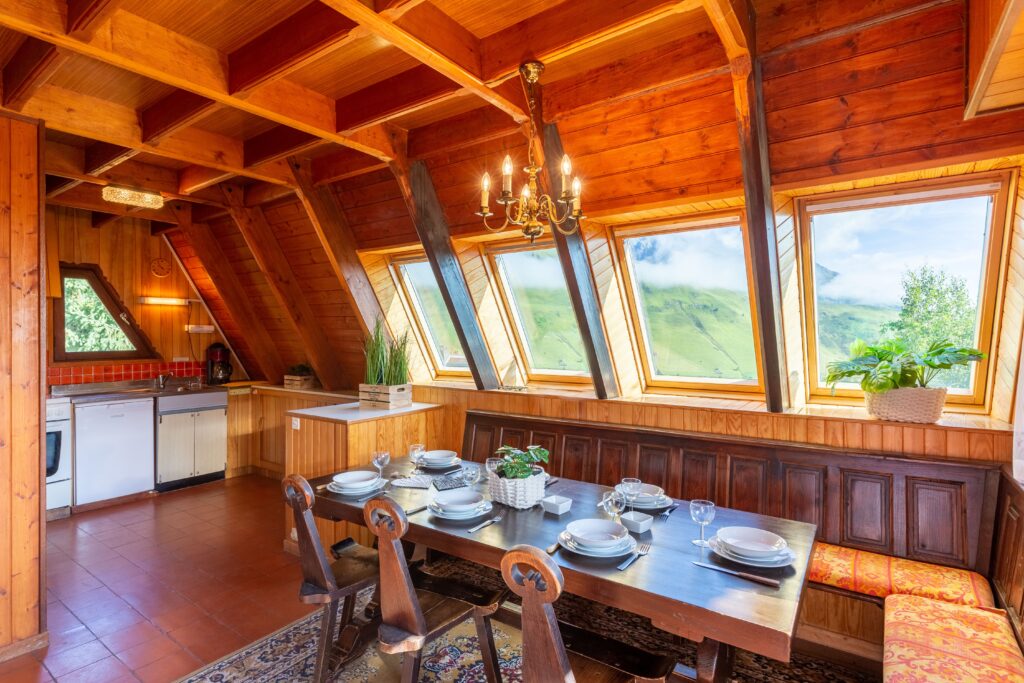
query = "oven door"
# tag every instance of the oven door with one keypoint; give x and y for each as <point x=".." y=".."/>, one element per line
<point x="58" y="451"/>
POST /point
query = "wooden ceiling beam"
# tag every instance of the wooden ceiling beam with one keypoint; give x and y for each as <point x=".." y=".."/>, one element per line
<point x="458" y="132"/>
<point x="734" y="22"/>
<point x="339" y="242"/>
<point x="88" y="198"/>
<point x="263" y="244"/>
<point x="100" y="157"/>
<point x="85" y="16"/>
<point x="148" y="49"/>
<point x="432" y="38"/>
<point x="32" y="65"/>
<point x="234" y="294"/>
<point x="277" y="143"/>
<point x="342" y="164"/>
<point x="195" y="178"/>
<point x="102" y="220"/>
<point x="304" y="37"/>
<point x="393" y="97"/>
<point x="172" y="113"/>
<point x="990" y="25"/>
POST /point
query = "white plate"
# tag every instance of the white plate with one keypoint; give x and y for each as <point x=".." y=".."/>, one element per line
<point x="483" y="509"/>
<point x="784" y="559"/>
<point x="439" y="456"/>
<point x="334" y="488"/>
<point x="752" y="543"/>
<point x="662" y="502"/>
<point x="649" y="493"/>
<point x="356" y="479"/>
<point x="596" y="534"/>
<point x="441" y="466"/>
<point x="458" y="500"/>
<point x="566" y="541"/>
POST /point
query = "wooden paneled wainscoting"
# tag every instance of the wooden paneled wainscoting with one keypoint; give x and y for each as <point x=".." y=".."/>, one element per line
<point x="1008" y="567"/>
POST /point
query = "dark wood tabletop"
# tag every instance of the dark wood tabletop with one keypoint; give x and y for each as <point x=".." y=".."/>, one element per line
<point x="679" y="597"/>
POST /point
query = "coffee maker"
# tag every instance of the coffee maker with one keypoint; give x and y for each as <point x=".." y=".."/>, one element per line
<point x="218" y="367"/>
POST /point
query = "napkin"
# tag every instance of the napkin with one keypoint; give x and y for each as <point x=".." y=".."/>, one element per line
<point x="420" y="481"/>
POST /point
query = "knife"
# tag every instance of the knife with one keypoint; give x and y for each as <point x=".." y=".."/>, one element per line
<point x="672" y="509"/>
<point x="774" y="583"/>
<point x="553" y="548"/>
<point x="421" y="508"/>
<point x="549" y="482"/>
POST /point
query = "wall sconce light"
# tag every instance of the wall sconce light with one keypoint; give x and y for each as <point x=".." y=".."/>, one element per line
<point x="139" y="198"/>
<point x="164" y="301"/>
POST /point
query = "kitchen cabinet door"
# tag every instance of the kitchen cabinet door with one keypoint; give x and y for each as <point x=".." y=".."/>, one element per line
<point x="211" y="445"/>
<point x="175" y="447"/>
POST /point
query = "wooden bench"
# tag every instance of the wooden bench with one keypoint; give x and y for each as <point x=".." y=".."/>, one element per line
<point x="940" y="512"/>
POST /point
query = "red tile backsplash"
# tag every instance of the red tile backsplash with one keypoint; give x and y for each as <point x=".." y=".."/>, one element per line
<point x="86" y="374"/>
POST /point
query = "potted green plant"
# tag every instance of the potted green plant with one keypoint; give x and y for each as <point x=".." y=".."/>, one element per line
<point x="895" y="379"/>
<point x="301" y="376"/>
<point x="520" y="478"/>
<point x="386" y="381"/>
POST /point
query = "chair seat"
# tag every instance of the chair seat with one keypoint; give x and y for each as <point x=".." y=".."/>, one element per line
<point x="930" y="640"/>
<point x="882" y="575"/>
<point x="439" y="612"/>
<point x="355" y="568"/>
<point x="624" y="662"/>
<point x="488" y="600"/>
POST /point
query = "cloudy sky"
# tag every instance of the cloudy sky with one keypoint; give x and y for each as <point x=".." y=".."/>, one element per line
<point x="706" y="258"/>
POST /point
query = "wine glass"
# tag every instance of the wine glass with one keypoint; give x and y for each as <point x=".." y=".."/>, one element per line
<point x="631" y="489"/>
<point x="380" y="461"/>
<point x="702" y="512"/>
<point x="416" y="452"/>
<point x="471" y="474"/>
<point x="492" y="465"/>
<point x="614" y="503"/>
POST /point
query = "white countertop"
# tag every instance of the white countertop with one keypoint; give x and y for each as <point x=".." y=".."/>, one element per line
<point x="348" y="413"/>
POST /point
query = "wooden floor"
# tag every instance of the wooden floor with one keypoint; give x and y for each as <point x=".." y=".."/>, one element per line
<point x="152" y="590"/>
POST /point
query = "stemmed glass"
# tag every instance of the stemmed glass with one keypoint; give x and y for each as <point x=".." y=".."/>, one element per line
<point x="471" y="474"/>
<point x="380" y="461"/>
<point x="703" y="513"/>
<point x="614" y="503"/>
<point x="631" y="487"/>
<point x="492" y="466"/>
<point x="416" y="452"/>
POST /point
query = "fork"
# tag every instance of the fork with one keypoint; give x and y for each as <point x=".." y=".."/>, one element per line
<point x="387" y="487"/>
<point x="485" y="523"/>
<point x="641" y="550"/>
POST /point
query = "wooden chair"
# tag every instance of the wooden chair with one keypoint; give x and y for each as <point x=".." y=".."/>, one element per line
<point x="417" y="607"/>
<point x="582" y="655"/>
<point x="329" y="583"/>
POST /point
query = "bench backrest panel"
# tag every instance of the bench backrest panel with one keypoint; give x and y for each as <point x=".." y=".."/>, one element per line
<point x="1008" y="569"/>
<point x="929" y="510"/>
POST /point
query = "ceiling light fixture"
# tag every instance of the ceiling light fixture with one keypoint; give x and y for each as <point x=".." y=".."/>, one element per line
<point x="532" y="209"/>
<point x="139" y="198"/>
<point x="164" y="301"/>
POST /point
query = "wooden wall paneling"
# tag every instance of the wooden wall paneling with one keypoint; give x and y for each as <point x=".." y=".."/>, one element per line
<point x="944" y="505"/>
<point x="432" y="226"/>
<point x="572" y="254"/>
<point x="802" y="493"/>
<point x="699" y="475"/>
<point x="269" y="415"/>
<point x="1011" y="324"/>
<point x="748" y="484"/>
<point x="22" y="492"/>
<point x="842" y="621"/>
<point x="866" y="513"/>
<point x="1008" y="556"/>
<point x="242" y="434"/>
<point x="613" y="461"/>
<point x="312" y="450"/>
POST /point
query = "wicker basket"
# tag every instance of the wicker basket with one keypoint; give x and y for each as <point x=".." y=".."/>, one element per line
<point x="301" y="382"/>
<point x="912" y="404"/>
<point x="518" y="493"/>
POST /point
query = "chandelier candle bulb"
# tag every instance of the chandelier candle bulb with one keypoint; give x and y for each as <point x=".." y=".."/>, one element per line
<point x="566" y="174"/>
<point x="577" y="190"/>
<point x="506" y="175"/>
<point x="485" y="193"/>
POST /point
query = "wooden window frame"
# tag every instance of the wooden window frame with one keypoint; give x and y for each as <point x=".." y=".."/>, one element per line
<point x="545" y="376"/>
<point x="419" y="324"/>
<point x="91" y="273"/>
<point x="995" y="184"/>
<point x="686" y="385"/>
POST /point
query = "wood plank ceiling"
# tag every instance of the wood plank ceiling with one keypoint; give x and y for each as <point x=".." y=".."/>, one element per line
<point x="197" y="100"/>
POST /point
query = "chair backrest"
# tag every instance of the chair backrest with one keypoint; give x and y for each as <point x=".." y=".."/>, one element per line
<point x="535" y="578"/>
<point x="316" y="570"/>
<point x="399" y="606"/>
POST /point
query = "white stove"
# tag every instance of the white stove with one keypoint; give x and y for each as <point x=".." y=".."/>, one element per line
<point x="58" y="453"/>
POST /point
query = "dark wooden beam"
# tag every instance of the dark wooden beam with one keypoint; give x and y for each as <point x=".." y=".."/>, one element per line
<point x="301" y="39"/>
<point x="85" y="16"/>
<point x="101" y="220"/>
<point x="572" y="254"/>
<point x="55" y="185"/>
<point x="432" y="227"/>
<point x="100" y="157"/>
<point x="764" y="257"/>
<point x="31" y="66"/>
<point x="287" y="289"/>
<point x="277" y="143"/>
<point x="407" y="92"/>
<point x="235" y="296"/>
<point x="332" y="227"/>
<point x="172" y="113"/>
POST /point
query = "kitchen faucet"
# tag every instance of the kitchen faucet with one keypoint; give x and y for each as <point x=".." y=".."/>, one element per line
<point x="162" y="379"/>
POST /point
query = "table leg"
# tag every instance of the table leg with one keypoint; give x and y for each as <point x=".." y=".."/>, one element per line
<point x="714" y="661"/>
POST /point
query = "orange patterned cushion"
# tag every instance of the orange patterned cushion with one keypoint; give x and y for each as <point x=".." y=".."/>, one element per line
<point x="882" y="576"/>
<point x="928" y="641"/>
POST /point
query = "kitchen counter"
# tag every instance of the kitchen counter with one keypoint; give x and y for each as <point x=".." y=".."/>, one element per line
<point x="352" y="413"/>
<point x="129" y="394"/>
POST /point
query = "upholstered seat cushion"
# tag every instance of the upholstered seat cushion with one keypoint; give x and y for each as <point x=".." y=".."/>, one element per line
<point x="882" y="576"/>
<point x="928" y="641"/>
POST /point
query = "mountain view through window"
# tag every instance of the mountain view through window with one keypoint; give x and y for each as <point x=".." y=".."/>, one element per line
<point x="433" y="315"/>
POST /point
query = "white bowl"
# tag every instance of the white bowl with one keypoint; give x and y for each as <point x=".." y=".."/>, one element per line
<point x="556" y="505"/>
<point x="637" y="522"/>
<point x="356" y="479"/>
<point x="439" y="456"/>
<point x="458" y="500"/>
<point x="750" y="542"/>
<point x="649" y="493"/>
<point x="597" y="533"/>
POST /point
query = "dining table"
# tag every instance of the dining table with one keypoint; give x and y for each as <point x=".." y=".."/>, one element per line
<point x="718" y="611"/>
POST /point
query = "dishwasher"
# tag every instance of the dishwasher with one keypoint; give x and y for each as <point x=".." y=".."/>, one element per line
<point x="114" y="449"/>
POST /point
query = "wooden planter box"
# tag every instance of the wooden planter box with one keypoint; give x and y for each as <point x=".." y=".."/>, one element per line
<point x="384" y="396"/>
<point x="301" y="382"/>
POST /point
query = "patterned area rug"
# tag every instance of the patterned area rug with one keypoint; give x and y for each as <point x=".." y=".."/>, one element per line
<point x="288" y="655"/>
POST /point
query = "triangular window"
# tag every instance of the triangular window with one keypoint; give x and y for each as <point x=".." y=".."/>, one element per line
<point x="91" y="322"/>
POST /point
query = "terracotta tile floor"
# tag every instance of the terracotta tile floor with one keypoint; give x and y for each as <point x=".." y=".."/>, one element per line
<point x="152" y="590"/>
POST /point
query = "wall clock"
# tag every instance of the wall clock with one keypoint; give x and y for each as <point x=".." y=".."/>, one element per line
<point x="160" y="267"/>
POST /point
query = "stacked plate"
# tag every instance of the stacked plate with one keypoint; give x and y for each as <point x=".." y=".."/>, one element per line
<point x="459" y="504"/>
<point x="651" y="497"/>
<point x="355" y="483"/>
<point x="597" y="538"/>
<point x="439" y="460"/>
<point x="750" y="546"/>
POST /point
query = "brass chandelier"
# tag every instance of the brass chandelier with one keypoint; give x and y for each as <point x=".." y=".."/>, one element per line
<point x="532" y="209"/>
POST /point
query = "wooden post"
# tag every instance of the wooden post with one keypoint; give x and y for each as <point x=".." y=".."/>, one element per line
<point x="572" y="253"/>
<point x="432" y="227"/>
<point x="764" y="257"/>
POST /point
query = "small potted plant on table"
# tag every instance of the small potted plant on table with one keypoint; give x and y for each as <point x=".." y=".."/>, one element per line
<point x="520" y="479"/>
<point x="895" y="380"/>
<point x="387" y="371"/>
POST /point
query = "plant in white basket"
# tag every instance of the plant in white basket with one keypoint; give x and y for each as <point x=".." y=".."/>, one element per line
<point x="895" y="379"/>
<point x="520" y="479"/>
